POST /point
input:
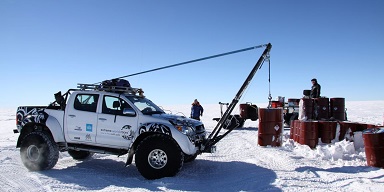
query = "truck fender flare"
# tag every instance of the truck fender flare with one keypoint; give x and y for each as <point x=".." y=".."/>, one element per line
<point x="56" y="130"/>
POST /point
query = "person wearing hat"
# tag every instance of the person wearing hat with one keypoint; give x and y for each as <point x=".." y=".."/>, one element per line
<point x="196" y="110"/>
<point x="315" y="91"/>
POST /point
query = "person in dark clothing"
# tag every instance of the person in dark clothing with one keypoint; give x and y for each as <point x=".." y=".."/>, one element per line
<point x="315" y="91"/>
<point x="196" y="110"/>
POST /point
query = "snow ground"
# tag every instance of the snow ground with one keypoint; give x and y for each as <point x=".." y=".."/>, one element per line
<point x="238" y="165"/>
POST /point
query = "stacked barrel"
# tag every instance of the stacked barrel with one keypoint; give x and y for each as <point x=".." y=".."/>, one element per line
<point x="321" y="118"/>
<point x="317" y="120"/>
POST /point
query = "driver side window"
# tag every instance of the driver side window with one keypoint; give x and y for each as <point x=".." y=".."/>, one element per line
<point x="114" y="105"/>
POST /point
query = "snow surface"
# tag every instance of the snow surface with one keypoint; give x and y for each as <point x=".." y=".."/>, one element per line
<point x="238" y="165"/>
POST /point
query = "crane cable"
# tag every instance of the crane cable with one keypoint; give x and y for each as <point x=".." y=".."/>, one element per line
<point x="269" y="81"/>
<point x="192" y="61"/>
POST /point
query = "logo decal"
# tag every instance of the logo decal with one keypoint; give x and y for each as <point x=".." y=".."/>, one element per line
<point x="88" y="127"/>
<point x="127" y="132"/>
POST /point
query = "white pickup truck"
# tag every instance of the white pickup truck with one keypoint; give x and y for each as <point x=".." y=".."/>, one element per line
<point x="108" y="119"/>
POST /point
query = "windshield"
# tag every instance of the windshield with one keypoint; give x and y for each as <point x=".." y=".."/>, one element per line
<point x="146" y="106"/>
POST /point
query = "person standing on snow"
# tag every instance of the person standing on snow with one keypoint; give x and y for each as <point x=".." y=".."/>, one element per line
<point x="315" y="91"/>
<point x="196" y="110"/>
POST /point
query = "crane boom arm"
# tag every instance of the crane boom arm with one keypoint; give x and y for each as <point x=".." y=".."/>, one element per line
<point x="214" y="137"/>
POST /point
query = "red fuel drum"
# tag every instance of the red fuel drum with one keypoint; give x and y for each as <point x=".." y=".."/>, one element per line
<point x="321" y="108"/>
<point x="248" y="111"/>
<point x="296" y="136"/>
<point x="309" y="134"/>
<point x="308" y="108"/>
<point x="292" y="129"/>
<point x="327" y="131"/>
<point x="276" y="104"/>
<point x="337" y="108"/>
<point x="374" y="146"/>
<point x="270" y="126"/>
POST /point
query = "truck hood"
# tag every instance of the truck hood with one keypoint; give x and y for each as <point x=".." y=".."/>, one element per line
<point x="177" y="119"/>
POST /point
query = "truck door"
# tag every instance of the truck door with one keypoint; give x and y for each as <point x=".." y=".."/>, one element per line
<point x="81" y="118"/>
<point x="115" y="128"/>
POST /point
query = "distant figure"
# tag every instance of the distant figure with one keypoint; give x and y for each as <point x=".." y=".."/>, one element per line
<point x="196" y="110"/>
<point x="315" y="91"/>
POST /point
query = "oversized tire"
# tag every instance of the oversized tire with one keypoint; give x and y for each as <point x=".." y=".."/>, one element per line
<point x="79" y="155"/>
<point x="158" y="156"/>
<point x="189" y="158"/>
<point x="38" y="151"/>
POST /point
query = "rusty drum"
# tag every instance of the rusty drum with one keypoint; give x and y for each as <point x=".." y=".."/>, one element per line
<point x="374" y="146"/>
<point x="337" y="108"/>
<point x="321" y="108"/>
<point x="292" y="129"/>
<point x="270" y="126"/>
<point x="309" y="133"/>
<point x="276" y="104"/>
<point x="327" y="131"/>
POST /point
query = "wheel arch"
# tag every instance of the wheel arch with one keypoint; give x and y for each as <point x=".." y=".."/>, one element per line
<point x="31" y="127"/>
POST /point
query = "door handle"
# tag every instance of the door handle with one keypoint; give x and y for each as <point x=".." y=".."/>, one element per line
<point x="102" y="119"/>
<point x="72" y="116"/>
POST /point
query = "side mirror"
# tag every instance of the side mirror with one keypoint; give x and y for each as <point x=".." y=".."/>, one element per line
<point x="129" y="112"/>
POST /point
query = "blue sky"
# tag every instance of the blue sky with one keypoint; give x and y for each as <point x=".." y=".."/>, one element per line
<point x="50" y="46"/>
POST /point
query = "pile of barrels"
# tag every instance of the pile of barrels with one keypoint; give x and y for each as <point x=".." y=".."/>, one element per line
<point x="325" y="119"/>
<point x="324" y="108"/>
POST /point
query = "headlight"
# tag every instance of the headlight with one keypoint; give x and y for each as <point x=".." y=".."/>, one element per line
<point x="184" y="129"/>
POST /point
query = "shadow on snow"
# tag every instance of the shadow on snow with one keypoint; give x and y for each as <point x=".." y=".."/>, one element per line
<point x="199" y="175"/>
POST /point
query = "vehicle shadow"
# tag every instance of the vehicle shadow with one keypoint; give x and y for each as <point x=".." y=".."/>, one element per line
<point x="199" y="175"/>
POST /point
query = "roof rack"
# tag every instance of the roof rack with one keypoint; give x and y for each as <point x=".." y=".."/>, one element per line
<point x="113" y="89"/>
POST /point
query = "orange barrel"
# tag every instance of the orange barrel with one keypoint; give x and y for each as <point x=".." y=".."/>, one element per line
<point x="309" y="133"/>
<point x="270" y="126"/>
<point x="248" y="111"/>
<point x="337" y="108"/>
<point x="293" y="102"/>
<point x="276" y="104"/>
<point x="321" y="108"/>
<point x="374" y="146"/>
<point x="307" y="108"/>
<point x="346" y="128"/>
<point x="327" y="131"/>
